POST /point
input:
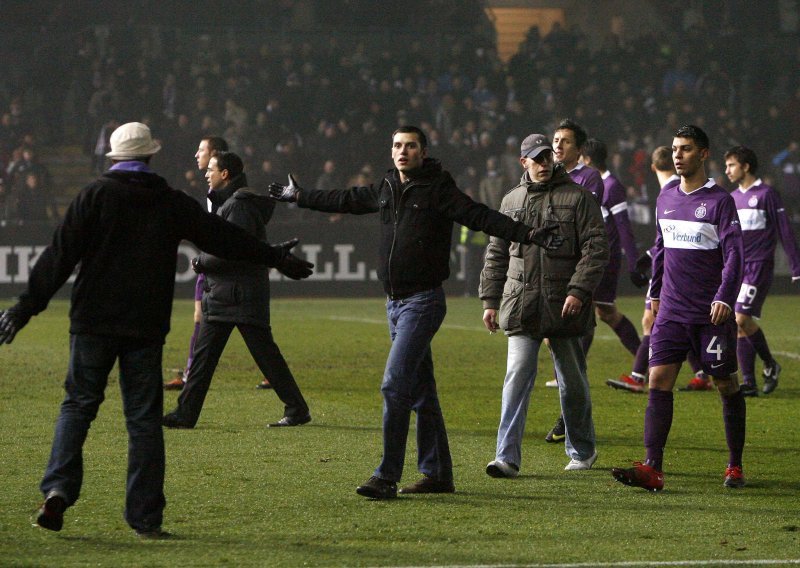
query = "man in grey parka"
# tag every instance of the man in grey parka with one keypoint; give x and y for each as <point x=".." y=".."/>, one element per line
<point x="545" y="294"/>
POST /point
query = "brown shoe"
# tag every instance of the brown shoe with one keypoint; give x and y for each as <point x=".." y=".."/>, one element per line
<point x="175" y="384"/>
<point x="429" y="485"/>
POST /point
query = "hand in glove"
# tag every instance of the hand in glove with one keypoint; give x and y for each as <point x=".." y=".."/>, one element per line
<point x="644" y="263"/>
<point x="285" y="192"/>
<point x="11" y="321"/>
<point x="639" y="280"/>
<point x="197" y="266"/>
<point x="545" y="237"/>
<point x="290" y="265"/>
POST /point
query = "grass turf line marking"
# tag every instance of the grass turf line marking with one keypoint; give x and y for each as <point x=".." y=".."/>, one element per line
<point x="443" y="326"/>
<point x="716" y="562"/>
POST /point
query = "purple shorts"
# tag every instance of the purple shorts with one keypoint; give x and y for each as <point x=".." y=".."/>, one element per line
<point x="198" y="287"/>
<point x="606" y="291"/>
<point x="671" y="341"/>
<point x="756" y="282"/>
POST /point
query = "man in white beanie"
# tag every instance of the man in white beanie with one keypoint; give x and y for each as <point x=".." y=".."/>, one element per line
<point x="124" y="230"/>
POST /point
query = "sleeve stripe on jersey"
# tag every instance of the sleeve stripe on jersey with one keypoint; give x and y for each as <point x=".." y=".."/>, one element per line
<point x="619" y="208"/>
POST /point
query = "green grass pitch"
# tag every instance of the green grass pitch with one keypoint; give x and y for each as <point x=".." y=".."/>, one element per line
<point x="240" y="494"/>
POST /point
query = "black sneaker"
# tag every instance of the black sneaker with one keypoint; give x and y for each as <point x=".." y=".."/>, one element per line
<point x="377" y="488"/>
<point x="291" y="421"/>
<point x="51" y="513"/>
<point x="770" y="375"/>
<point x="171" y="420"/>
<point x="430" y="485"/>
<point x="748" y="389"/>
<point x="153" y="534"/>
<point x="558" y="433"/>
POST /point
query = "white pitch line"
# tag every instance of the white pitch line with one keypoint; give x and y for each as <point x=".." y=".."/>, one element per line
<point x="600" y="336"/>
<point x="715" y="562"/>
<point x="788" y="355"/>
<point x="444" y="326"/>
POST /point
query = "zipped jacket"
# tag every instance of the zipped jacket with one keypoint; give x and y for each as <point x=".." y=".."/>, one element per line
<point x="529" y="284"/>
<point x="236" y="291"/>
<point x="416" y="221"/>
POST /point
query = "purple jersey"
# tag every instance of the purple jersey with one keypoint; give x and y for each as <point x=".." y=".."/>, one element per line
<point x="699" y="254"/>
<point x="590" y="179"/>
<point x="763" y="220"/>
<point x="618" y="226"/>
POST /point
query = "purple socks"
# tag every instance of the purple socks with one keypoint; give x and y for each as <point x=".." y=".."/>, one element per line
<point x="657" y="422"/>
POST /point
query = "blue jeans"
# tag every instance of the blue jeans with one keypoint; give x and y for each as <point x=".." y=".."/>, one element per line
<point x="91" y="360"/>
<point x="573" y="386"/>
<point x="408" y="384"/>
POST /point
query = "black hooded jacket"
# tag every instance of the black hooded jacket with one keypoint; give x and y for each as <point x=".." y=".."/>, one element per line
<point x="236" y="291"/>
<point x="124" y="230"/>
<point x="416" y="223"/>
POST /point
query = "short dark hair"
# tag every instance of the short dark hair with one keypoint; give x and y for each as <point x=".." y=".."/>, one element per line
<point x="597" y="151"/>
<point x="216" y="144"/>
<point x="229" y="161"/>
<point x="662" y="159"/>
<point x="743" y="155"/>
<point x="695" y="133"/>
<point x="577" y="129"/>
<point x="407" y="129"/>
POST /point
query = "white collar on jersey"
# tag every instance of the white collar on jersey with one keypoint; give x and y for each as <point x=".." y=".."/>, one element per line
<point x="709" y="183"/>
<point x="755" y="183"/>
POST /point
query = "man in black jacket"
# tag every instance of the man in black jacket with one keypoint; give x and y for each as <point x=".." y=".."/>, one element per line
<point x="235" y="294"/>
<point x="418" y="203"/>
<point x="124" y="230"/>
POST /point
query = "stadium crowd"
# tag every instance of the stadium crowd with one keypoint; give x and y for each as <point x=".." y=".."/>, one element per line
<point x="327" y="100"/>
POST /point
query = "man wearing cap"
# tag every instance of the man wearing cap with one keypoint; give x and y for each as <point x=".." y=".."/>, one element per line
<point x="124" y="230"/>
<point x="531" y="293"/>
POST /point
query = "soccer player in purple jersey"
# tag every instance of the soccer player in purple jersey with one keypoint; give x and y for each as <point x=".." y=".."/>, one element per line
<point x="568" y="142"/>
<point x="620" y="237"/>
<point x="763" y="220"/>
<point x="661" y="164"/>
<point x="697" y="271"/>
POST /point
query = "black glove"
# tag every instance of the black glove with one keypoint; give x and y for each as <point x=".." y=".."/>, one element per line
<point x="284" y="192"/>
<point x="290" y="265"/>
<point x="545" y="237"/>
<point x="639" y="280"/>
<point x="644" y="263"/>
<point x="197" y="266"/>
<point x="11" y="321"/>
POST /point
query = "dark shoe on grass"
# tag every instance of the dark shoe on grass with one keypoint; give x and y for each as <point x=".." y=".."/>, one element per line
<point x="171" y="420"/>
<point x="264" y="384"/>
<point x="429" y="485"/>
<point x="51" y="513"/>
<point x="770" y="375"/>
<point x="291" y="421"/>
<point x="558" y="433"/>
<point x="153" y="534"/>
<point x="377" y="488"/>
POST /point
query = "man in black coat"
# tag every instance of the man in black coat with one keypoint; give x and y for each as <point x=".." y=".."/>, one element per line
<point x="418" y="203"/>
<point x="124" y="230"/>
<point x="236" y="295"/>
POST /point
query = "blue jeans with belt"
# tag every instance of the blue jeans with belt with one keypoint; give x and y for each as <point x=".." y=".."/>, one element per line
<point x="91" y="360"/>
<point x="409" y="384"/>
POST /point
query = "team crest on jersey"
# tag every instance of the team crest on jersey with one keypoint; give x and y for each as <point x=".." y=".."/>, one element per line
<point x="701" y="211"/>
<point x="753" y="201"/>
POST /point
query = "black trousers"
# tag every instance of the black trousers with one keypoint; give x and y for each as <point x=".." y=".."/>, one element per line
<point x="208" y="348"/>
